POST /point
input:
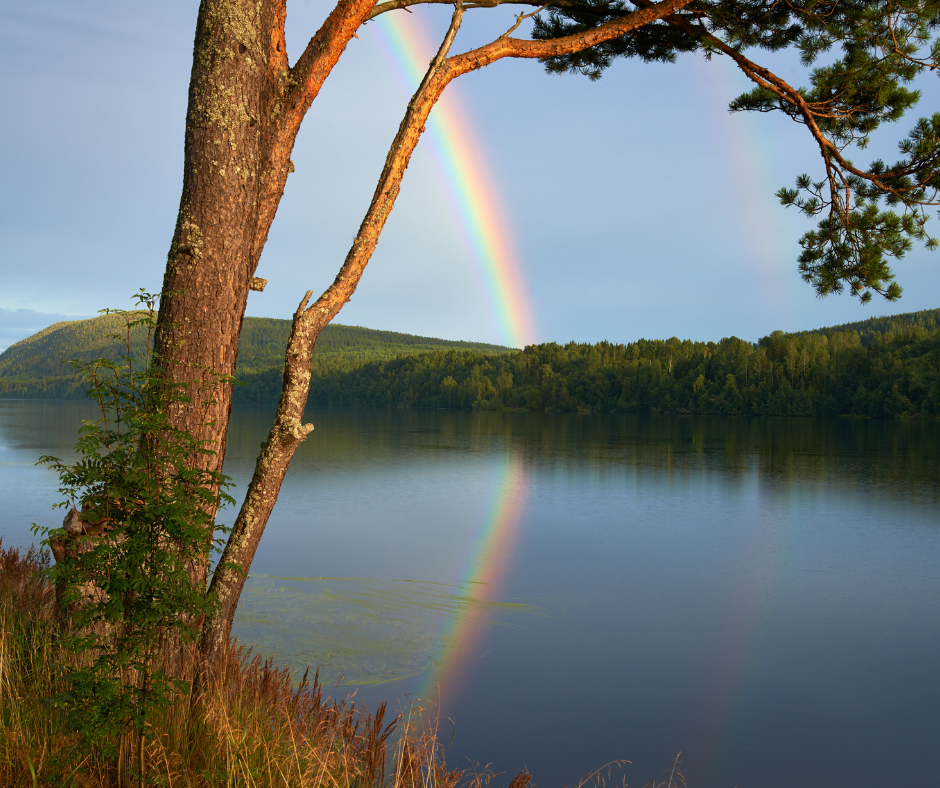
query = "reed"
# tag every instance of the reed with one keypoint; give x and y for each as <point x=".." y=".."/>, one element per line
<point x="250" y="727"/>
<point x="672" y="777"/>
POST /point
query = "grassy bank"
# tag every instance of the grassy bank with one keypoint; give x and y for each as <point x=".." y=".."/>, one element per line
<point x="251" y="728"/>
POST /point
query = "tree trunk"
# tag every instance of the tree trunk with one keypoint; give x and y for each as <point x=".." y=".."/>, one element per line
<point x="245" y="108"/>
<point x="246" y="105"/>
<point x="213" y="252"/>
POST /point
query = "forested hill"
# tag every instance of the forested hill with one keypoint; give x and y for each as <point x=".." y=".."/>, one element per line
<point x="263" y="341"/>
<point x="43" y="354"/>
<point x="831" y="373"/>
<point x="926" y="319"/>
<point x="881" y="368"/>
<point x="36" y="366"/>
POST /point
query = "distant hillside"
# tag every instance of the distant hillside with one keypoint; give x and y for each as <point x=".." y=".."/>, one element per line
<point x="925" y="320"/>
<point x="42" y="355"/>
<point x="263" y="341"/>
<point x="35" y="367"/>
<point x="877" y="368"/>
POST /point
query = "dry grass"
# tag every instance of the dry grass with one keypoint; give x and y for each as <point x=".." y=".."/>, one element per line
<point x="673" y="777"/>
<point x="249" y="728"/>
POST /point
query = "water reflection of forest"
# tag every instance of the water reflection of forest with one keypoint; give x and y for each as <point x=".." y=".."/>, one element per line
<point x="897" y="457"/>
<point x="894" y="456"/>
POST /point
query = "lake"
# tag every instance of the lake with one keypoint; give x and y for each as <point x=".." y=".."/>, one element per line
<point x="760" y="594"/>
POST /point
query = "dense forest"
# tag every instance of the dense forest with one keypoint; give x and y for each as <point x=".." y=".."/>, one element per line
<point x="926" y="319"/>
<point x="879" y="368"/>
<point x="37" y="367"/>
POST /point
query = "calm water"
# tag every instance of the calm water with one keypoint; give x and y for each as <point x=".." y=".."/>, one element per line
<point x="763" y="595"/>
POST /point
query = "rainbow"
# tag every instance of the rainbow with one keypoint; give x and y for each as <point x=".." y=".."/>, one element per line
<point x="725" y="710"/>
<point x="489" y="561"/>
<point x="470" y="182"/>
<point x="769" y="228"/>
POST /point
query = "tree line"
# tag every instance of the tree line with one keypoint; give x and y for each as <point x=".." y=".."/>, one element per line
<point x="894" y="373"/>
<point x="38" y="367"/>
<point x="881" y="368"/>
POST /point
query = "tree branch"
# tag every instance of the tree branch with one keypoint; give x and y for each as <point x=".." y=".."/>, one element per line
<point x="288" y="430"/>
<point x="294" y="90"/>
<point x="389" y="184"/>
<point x="553" y="47"/>
<point x="325" y="48"/>
<point x="520" y="18"/>
<point x="277" y="51"/>
<point x="765" y="78"/>
<point x="393" y="5"/>
<point x="287" y="433"/>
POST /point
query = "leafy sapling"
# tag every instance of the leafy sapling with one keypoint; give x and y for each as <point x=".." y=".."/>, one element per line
<point x="139" y="529"/>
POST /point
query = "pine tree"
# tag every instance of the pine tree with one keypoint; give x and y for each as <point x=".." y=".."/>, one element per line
<point x="247" y="101"/>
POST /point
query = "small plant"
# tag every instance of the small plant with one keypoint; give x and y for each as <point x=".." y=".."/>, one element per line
<point x="139" y="530"/>
<point x="672" y="777"/>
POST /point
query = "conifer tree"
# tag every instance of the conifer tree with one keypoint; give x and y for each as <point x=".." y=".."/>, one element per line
<point x="248" y="98"/>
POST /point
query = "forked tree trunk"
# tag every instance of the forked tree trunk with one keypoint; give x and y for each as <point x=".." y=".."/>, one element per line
<point x="288" y="429"/>
<point x="246" y="105"/>
<point x="245" y="108"/>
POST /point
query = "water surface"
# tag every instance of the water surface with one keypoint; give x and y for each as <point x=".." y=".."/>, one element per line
<point x="761" y="594"/>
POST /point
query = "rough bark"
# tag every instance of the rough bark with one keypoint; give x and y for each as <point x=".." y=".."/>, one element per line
<point x="246" y="105"/>
<point x="245" y="108"/>
<point x="288" y="430"/>
<point x="81" y="537"/>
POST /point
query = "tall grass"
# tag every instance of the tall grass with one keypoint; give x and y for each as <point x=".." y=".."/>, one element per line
<point x="29" y="738"/>
<point x="249" y="728"/>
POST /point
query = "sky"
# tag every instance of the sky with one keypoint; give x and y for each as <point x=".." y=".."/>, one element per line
<point x="637" y="206"/>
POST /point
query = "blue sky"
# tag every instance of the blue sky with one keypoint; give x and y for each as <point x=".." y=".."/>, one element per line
<point x="639" y="205"/>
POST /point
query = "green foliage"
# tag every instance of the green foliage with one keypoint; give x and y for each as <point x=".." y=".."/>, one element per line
<point x="883" y="368"/>
<point x="356" y="366"/>
<point x="651" y="43"/>
<point x="127" y="573"/>
<point x="924" y="321"/>
<point x="45" y="352"/>
<point x="264" y="339"/>
<point x="36" y="367"/>
<point x="860" y="59"/>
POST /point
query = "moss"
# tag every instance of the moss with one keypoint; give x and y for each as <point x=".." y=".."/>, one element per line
<point x="286" y="82"/>
<point x="228" y="33"/>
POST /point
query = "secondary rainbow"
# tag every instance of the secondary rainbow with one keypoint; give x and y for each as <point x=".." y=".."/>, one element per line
<point x="471" y="186"/>
<point x="753" y="168"/>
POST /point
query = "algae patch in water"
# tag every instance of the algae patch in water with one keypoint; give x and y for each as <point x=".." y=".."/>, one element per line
<point x="360" y="630"/>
